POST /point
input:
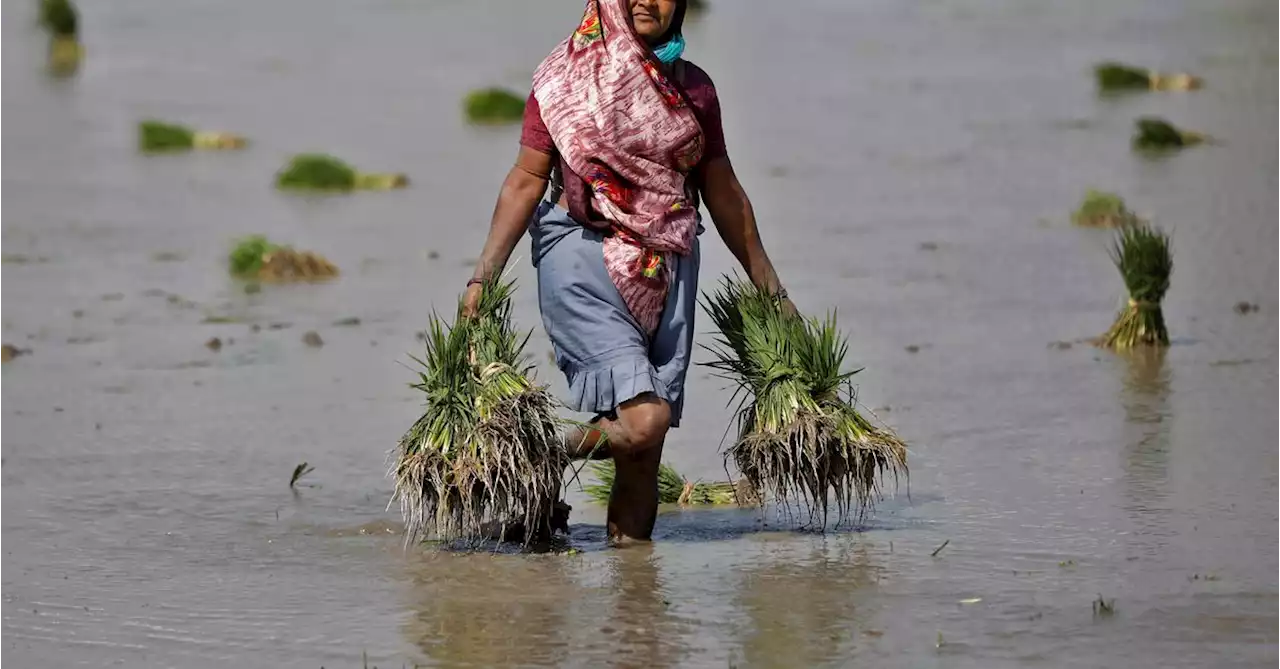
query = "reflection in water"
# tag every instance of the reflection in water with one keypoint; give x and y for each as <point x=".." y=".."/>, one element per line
<point x="483" y="610"/>
<point x="806" y="612"/>
<point x="1145" y="397"/>
<point x="648" y="635"/>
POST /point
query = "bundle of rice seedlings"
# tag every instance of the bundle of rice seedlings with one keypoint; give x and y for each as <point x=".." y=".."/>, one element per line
<point x="493" y="106"/>
<point x="1112" y="76"/>
<point x="255" y="257"/>
<point x="674" y="488"/>
<point x="488" y="448"/>
<point x="317" y="171"/>
<point x="1142" y="255"/>
<point x="160" y="136"/>
<point x="1153" y="133"/>
<point x="800" y="436"/>
<point x="1101" y="209"/>
<point x="62" y="21"/>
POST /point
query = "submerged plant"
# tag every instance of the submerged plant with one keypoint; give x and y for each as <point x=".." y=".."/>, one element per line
<point x="491" y="106"/>
<point x="1101" y="209"/>
<point x="673" y="488"/>
<point x="1142" y="255"/>
<point x="255" y="257"/>
<point x="800" y="436"/>
<point x="1112" y="76"/>
<point x="160" y="136"/>
<point x="61" y="20"/>
<point x="1157" y="134"/>
<point x="317" y="171"/>
<point x="488" y="448"/>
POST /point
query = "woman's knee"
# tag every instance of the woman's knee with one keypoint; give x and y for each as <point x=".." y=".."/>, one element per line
<point x="646" y="420"/>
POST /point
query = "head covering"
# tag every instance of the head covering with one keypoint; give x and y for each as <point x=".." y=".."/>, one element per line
<point x="621" y="123"/>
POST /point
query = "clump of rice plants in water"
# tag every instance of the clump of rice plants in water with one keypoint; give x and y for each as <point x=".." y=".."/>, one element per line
<point x="61" y="20"/>
<point x="1157" y="134"/>
<point x="1142" y="255"/>
<point x="493" y="106"/>
<point x="488" y="448"/>
<point x="256" y="257"/>
<point x="800" y="436"/>
<point x="674" y="488"/>
<point x="317" y="171"/>
<point x="1101" y="209"/>
<point x="154" y="136"/>
<point x="1112" y="77"/>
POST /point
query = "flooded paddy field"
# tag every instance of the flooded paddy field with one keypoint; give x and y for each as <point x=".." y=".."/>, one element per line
<point x="913" y="165"/>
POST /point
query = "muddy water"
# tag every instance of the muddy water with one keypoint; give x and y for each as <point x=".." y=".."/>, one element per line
<point x="912" y="165"/>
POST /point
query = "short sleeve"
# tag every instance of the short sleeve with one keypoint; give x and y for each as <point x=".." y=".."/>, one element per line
<point x="712" y="130"/>
<point x="706" y="104"/>
<point x="534" y="133"/>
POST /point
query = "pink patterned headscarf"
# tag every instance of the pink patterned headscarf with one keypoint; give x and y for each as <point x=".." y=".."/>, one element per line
<point x="624" y="126"/>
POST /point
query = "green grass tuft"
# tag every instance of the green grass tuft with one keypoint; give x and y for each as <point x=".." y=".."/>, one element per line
<point x="1145" y="262"/>
<point x="316" y="171"/>
<point x="492" y="106"/>
<point x="1157" y="134"/>
<point x="60" y="18"/>
<point x="160" y="136"/>
<point x="1101" y="209"/>
<point x="1113" y="76"/>
<point x="246" y="258"/>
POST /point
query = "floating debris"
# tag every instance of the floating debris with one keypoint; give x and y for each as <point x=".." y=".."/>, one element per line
<point x="1112" y="76"/>
<point x="255" y="257"/>
<point x="9" y="352"/>
<point x="320" y="172"/>
<point x="1243" y="307"/>
<point x="1157" y="134"/>
<point x="493" y="106"/>
<point x="350" y="321"/>
<point x="214" y="344"/>
<point x="312" y="338"/>
<point x="157" y="136"/>
<point x="1104" y="607"/>
<point x="298" y="472"/>
<point x="1142" y="255"/>
<point x="1101" y="209"/>
<point x="674" y="488"/>
<point x="800" y="435"/>
<point x="488" y="448"/>
<point x="939" y="548"/>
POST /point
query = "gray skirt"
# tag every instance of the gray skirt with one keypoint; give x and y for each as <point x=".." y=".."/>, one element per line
<point x="604" y="354"/>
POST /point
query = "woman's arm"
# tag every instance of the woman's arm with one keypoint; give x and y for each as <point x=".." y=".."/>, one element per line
<point x="521" y="191"/>
<point x="736" y="221"/>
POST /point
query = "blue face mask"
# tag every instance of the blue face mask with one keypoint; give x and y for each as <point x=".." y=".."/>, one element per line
<point x="671" y="50"/>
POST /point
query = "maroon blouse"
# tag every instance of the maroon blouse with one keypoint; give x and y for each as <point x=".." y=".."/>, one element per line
<point x="577" y="194"/>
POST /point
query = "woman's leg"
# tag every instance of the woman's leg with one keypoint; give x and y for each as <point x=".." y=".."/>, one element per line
<point x="635" y="440"/>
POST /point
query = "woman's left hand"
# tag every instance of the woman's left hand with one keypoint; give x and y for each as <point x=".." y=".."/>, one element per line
<point x="788" y="307"/>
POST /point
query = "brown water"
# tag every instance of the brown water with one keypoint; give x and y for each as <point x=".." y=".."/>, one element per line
<point x="150" y="522"/>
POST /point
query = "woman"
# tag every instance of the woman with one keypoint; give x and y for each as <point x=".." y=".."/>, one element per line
<point x="629" y="137"/>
